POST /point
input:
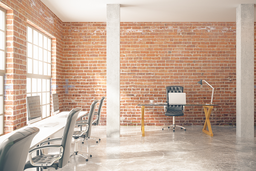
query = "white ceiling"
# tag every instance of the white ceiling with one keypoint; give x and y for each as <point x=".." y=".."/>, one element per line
<point x="148" y="10"/>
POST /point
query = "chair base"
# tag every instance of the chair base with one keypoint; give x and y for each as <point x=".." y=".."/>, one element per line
<point x="76" y="153"/>
<point x="174" y="126"/>
<point x="96" y="139"/>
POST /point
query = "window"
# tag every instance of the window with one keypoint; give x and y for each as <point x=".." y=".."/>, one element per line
<point x="2" y="68"/>
<point x="39" y="68"/>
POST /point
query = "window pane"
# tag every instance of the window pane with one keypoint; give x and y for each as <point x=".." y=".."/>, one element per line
<point x="44" y="111"/>
<point x="48" y="110"/>
<point x="1" y="105"/>
<point x="49" y="69"/>
<point x="29" y="52"/>
<point x="29" y="34"/>
<point x="35" y="35"/>
<point x="49" y="57"/>
<point x="39" y="85"/>
<point x="29" y="66"/>
<point x="28" y="85"/>
<point x="1" y="123"/>
<point x="34" y="85"/>
<point x="2" y="60"/>
<point x="49" y="44"/>
<point x="48" y="85"/>
<point x="40" y="38"/>
<point x="45" y="42"/>
<point x="35" y="67"/>
<point x="40" y="68"/>
<point x="45" y="56"/>
<point x="34" y="94"/>
<point x="2" y="40"/>
<point x="35" y="56"/>
<point x="45" y="69"/>
<point x="40" y="54"/>
<point x="48" y="98"/>
<point x="44" y="98"/>
<point x="40" y="94"/>
<point x="2" y="20"/>
<point x="44" y="85"/>
<point x="28" y="95"/>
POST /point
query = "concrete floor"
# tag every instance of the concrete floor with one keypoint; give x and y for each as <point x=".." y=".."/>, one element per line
<point x="167" y="150"/>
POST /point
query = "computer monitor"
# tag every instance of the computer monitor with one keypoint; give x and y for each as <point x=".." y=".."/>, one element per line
<point x="34" y="113"/>
<point x="177" y="98"/>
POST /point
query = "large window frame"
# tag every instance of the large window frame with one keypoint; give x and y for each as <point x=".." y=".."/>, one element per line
<point x="39" y="67"/>
<point x="2" y="65"/>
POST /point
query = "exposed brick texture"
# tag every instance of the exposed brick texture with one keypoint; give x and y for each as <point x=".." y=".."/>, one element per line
<point x="153" y="56"/>
<point x="18" y="14"/>
<point x="156" y="55"/>
<point x="84" y="65"/>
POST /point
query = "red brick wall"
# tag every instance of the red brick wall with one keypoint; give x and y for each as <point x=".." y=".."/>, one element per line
<point x="156" y="55"/>
<point x="18" y="14"/>
<point x="153" y="56"/>
<point x="84" y="65"/>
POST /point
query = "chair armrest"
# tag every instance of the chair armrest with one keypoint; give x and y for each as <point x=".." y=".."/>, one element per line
<point x="56" y="157"/>
<point x="82" y="122"/>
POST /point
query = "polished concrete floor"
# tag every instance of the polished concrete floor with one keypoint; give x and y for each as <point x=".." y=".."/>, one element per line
<point x="166" y="150"/>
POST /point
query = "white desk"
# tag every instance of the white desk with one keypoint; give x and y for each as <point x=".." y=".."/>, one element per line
<point x="46" y="132"/>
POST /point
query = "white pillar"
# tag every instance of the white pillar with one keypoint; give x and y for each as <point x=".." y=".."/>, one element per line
<point x="113" y="70"/>
<point x="245" y="71"/>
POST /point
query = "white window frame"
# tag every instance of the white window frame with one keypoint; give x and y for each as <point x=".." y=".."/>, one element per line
<point x="42" y="80"/>
<point x="2" y="69"/>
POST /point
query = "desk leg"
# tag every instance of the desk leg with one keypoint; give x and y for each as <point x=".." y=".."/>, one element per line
<point x="142" y="121"/>
<point x="207" y="112"/>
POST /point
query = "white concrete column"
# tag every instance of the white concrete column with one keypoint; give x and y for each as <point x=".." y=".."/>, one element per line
<point x="245" y="71"/>
<point x="113" y="70"/>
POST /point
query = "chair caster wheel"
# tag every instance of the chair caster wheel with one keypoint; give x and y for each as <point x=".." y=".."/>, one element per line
<point x="82" y="142"/>
<point x="99" y="139"/>
<point x="86" y="160"/>
<point x="96" y="141"/>
<point x="90" y="155"/>
<point x="76" y="153"/>
<point x="168" y="127"/>
<point x="173" y="130"/>
<point x="184" y="129"/>
<point x="181" y="128"/>
<point x="162" y="129"/>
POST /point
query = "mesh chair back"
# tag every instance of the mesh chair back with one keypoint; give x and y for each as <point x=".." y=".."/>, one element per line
<point x="173" y="89"/>
<point x="55" y="100"/>
<point x="67" y="136"/>
<point x="99" y="110"/>
<point x="14" y="150"/>
<point x="90" y="117"/>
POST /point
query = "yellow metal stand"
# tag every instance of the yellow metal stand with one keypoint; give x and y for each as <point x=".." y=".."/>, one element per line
<point x="142" y="121"/>
<point x="207" y="112"/>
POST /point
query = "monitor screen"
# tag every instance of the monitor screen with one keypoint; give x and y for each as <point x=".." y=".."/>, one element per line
<point x="177" y="98"/>
<point x="33" y="109"/>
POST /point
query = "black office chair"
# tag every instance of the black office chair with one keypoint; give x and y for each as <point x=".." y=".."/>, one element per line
<point x="86" y="133"/>
<point x="173" y="110"/>
<point x="14" y="150"/>
<point x="55" y="160"/>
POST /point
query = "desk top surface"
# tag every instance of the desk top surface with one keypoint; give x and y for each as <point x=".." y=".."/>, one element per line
<point x="165" y="104"/>
<point x="47" y="126"/>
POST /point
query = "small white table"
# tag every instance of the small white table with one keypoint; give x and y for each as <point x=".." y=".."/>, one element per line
<point x="58" y="123"/>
